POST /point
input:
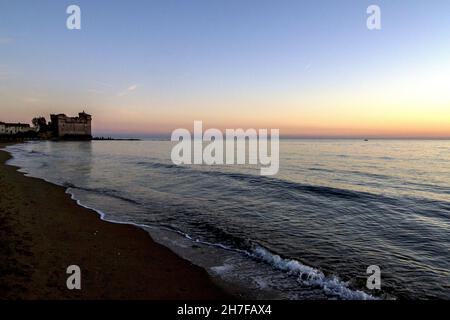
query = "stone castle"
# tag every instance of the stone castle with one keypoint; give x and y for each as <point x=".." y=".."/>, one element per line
<point x="65" y="127"/>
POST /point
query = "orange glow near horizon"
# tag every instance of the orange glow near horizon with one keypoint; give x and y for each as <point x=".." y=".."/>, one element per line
<point x="414" y="104"/>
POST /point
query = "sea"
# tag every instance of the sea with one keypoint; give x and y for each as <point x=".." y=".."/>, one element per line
<point x="335" y="210"/>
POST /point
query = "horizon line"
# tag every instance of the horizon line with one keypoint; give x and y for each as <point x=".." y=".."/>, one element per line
<point x="282" y="137"/>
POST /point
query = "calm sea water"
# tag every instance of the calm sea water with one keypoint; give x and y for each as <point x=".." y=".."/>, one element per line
<point x="310" y="232"/>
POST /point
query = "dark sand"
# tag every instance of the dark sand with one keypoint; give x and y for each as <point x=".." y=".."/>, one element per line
<point x="43" y="231"/>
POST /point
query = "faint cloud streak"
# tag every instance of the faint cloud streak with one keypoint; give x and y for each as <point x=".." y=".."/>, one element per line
<point x="128" y="90"/>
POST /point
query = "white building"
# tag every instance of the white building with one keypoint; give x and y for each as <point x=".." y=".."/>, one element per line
<point x="14" y="128"/>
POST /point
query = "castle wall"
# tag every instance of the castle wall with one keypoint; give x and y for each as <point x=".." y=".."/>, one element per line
<point x="73" y="128"/>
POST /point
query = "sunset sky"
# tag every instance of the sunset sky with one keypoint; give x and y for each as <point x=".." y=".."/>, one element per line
<point x="309" y="68"/>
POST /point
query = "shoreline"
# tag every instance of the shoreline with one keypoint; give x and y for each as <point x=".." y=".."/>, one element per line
<point x="45" y="231"/>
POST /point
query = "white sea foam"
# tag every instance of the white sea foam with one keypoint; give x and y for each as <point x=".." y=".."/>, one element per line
<point x="226" y="268"/>
<point x="309" y="276"/>
<point x="306" y="275"/>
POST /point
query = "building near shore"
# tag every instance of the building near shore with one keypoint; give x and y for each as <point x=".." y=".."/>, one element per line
<point x="65" y="127"/>
<point x="14" y="128"/>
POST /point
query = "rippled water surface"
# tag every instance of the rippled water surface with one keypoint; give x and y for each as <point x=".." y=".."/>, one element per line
<point x="335" y="208"/>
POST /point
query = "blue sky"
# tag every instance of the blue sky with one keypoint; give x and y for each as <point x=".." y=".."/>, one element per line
<point x="306" y="67"/>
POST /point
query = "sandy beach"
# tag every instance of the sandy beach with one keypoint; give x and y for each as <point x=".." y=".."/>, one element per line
<point x="43" y="231"/>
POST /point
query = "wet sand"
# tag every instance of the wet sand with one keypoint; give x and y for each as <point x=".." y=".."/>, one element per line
<point x="43" y="231"/>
